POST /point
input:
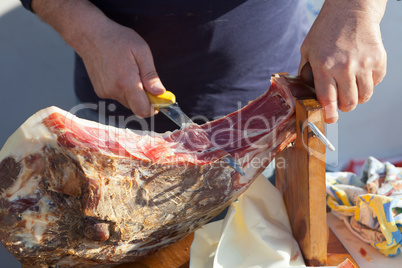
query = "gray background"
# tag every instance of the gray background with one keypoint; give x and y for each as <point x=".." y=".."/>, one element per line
<point x="36" y="72"/>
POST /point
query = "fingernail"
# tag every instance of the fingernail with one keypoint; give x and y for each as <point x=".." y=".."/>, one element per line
<point x="331" y="113"/>
<point x="157" y="88"/>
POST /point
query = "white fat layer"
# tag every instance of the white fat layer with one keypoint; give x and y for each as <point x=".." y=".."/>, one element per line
<point x="31" y="136"/>
<point x="29" y="139"/>
<point x="36" y="223"/>
<point x="22" y="187"/>
<point x="37" y="227"/>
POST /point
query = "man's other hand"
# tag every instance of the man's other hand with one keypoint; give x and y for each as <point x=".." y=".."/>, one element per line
<point x="346" y="53"/>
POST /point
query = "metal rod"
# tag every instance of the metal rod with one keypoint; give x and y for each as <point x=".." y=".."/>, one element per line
<point x="321" y="136"/>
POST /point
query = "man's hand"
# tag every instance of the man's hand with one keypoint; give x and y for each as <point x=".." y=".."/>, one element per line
<point x="119" y="62"/>
<point x="346" y="53"/>
<point x="121" y="67"/>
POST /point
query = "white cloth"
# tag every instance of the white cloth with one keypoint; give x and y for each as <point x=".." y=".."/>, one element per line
<point x="255" y="233"/>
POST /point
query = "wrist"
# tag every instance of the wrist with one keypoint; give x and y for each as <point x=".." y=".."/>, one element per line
<point x="372" y="10"/>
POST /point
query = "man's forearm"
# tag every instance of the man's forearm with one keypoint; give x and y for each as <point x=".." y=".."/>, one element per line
<point x="77" y="21"/>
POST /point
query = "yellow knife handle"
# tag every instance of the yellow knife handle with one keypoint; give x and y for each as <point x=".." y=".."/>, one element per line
<point x="163" y="100"/>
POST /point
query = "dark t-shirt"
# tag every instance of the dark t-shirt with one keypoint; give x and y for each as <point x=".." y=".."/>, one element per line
<point x="214" y="55"/>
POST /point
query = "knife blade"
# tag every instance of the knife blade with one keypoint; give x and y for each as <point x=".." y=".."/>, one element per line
<point x="166" y="103"/>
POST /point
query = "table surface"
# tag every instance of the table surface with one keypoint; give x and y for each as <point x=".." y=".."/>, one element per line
<point x="178" y="255"/>
<point x="336" y="252"/>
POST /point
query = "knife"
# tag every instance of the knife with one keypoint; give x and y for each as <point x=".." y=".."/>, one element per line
<point x="166" y="103"/>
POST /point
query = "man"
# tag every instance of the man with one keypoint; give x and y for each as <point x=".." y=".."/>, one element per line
<point x="215" y="54"/>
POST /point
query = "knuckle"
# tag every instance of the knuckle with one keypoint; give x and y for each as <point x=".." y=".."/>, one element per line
<point x="378" y="76"/>
<point x="326" y="63"/>
<point x="116" y="92"/>
<point x="336" y="67"/>
<point x="101" y="94"/>
<point x="365" y="97"/>
<point x="367" y="63"/>
<point x="106" y="94"/>
<point x="149" y="75"/>
<point x="348" y="106"/>
<point x="382" y="56"/>
<point x="121" y="86"/>
<point x="143" y="48"/>
<point x="345" y="69"/>
<point x="304" y="48"/>
<point x="327" y="101"/>
<point x="331" y="120"/>
<point x="383" y="72"/>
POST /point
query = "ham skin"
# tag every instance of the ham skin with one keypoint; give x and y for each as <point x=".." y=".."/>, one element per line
<point x="75" y="193"/>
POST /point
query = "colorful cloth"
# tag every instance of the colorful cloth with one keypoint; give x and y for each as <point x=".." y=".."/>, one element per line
<point x="370" y="205"/>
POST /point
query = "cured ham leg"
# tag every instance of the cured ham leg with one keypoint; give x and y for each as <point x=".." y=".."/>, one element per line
<point x="77" y="193"/>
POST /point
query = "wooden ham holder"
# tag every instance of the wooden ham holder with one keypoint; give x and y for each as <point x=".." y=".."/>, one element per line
<point x="300" y="177"/>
